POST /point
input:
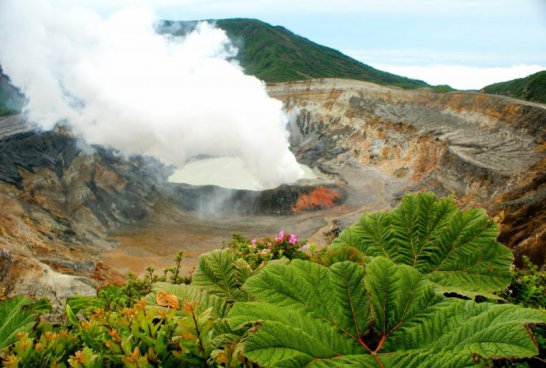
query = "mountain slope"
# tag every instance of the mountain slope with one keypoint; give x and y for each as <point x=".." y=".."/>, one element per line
<point x="274" y="54"/>
<point x="10" y="99"/>
<point x="530" y="88"/>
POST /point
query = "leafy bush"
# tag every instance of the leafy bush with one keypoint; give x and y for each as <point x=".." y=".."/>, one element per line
<point x="215" y="338"/>
<point x="113" y="297"/>
<point x="528" y="286"/>
<point x="132" y="337"/>
<point x="528" y="289"/>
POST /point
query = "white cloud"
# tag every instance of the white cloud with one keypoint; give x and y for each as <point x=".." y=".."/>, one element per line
<point x="462" y="76"/>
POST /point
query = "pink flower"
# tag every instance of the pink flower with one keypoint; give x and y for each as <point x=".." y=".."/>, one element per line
<point x="280" y="237"/>
<point x="253" y="242"/>
<point x="292" y="239"/>
<point x="269" y="245"/>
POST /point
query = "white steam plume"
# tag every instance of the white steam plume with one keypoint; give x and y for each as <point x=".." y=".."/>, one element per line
<point x="119" y="83"/>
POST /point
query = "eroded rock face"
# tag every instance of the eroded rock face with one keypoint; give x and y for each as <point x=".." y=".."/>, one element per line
<point x="486" y="150"/>
<point x="59" y="199"/>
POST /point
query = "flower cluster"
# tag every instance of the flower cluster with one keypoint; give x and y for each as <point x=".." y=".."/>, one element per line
<point x="282" y="237"/>
<point x="257" y="252"/>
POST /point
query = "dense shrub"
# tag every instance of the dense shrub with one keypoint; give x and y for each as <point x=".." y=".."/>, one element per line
<point x="528" y="289"/>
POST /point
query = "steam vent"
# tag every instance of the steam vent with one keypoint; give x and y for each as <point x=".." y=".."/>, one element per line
<point x="224" y="185"/>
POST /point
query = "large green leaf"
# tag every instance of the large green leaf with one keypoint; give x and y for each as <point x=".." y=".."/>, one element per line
<point x="18" y="315"/>
<point x="455" y="249"/>
<point x="221" y="273"/>
<point x="381" y="315"/>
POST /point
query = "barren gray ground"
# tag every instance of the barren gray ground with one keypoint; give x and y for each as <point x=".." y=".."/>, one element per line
<point x="157" y="242"/>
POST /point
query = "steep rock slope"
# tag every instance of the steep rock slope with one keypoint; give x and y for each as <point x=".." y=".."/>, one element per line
<point x="487" y="151"/>
<point x="59" y="199"/>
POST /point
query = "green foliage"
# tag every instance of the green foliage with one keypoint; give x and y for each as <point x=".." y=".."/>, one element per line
<point x="528" y="286"/>
<point x="221" y="273"/>
<point x="274" y="54"/>
<point x="5" y="111"/>
<point x="19" y="315"/>
<point x="455" y="249"/>
<point x="50" y="349"/>
<point x="381" y="315"/>
<point x="442" y="88"/>
<point x="329" y="256"/>
<point x="113" y="297"/>
<point x="132" y="337"/>
<point x="215" y="338"/>
<point x="175" y="276"/>
<point x="531" y="88"/>
<point x="528" y="289"/>
<point x="11" y="100"/>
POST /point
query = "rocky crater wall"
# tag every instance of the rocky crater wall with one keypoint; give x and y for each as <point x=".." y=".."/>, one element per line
<point x="60" y="199"/>
<point x="486" y="150"/>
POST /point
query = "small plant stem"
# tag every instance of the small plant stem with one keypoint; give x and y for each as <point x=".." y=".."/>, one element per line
<point x="380" y="344"/>
<point x="374" y="352"/>
<point x="178" y="260"/>
<point x="364" y="344"/>
<point x="198" y="332"/>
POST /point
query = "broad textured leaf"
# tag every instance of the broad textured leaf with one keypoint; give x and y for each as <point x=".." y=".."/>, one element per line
<point x="16" y="316"/>
<point x="396" y="294"/>
<point x="309" y="315"/>
<point x="312" y="287"/>
<point x="340" y="254"/>
<point x="221" y="273"/>
<point x="457" y="250"/>
<point x="222" y="334"/>
<point x="189" y="293"/>
<point x="373" y="234"/>
<point x="466" y="327"/>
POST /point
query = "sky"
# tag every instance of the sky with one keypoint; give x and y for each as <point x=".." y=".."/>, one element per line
<point x="464" y="43"/>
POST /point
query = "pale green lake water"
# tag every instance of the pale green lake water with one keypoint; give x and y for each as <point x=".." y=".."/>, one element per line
<point x="227" y="172"/>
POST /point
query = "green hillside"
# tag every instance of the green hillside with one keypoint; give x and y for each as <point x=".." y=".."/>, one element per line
<point x="531" y="88"/>
<point x="10" y="98"/>
<point x="274" y="54"/>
